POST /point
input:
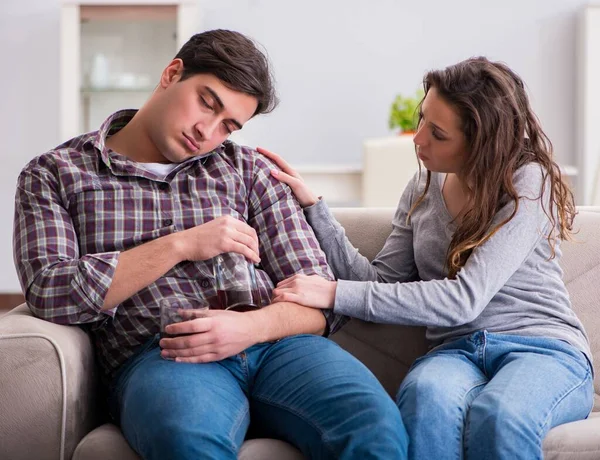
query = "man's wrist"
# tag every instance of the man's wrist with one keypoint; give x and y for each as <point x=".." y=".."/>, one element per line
<point x="176" y="245"/>
<point x="259" y="325"/>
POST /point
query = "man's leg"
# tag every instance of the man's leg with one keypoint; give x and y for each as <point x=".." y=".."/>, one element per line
<point x="434" y="399"/>
<point x="183" y="411"/>
<point x="536" y="384"/>
<point x="310" y="392"/>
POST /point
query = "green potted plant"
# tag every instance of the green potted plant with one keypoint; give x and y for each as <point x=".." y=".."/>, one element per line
<point x="403" y="112"/>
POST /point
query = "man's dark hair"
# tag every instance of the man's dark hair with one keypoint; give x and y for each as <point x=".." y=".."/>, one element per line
<point x="235" y="60"/>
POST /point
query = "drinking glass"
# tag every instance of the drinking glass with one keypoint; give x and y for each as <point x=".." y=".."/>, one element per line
<point x="177" y="309"/>
<point x="235" y="279"/>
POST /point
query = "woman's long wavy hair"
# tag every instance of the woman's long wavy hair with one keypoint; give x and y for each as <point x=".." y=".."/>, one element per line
<point x="502" y="134"/>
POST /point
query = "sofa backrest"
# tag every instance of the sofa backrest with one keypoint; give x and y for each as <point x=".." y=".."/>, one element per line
<point x="581" y="265"/>
<point x="390" y="350"/>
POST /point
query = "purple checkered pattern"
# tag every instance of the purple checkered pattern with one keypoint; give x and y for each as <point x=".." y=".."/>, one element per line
<point x="78" y="206"/>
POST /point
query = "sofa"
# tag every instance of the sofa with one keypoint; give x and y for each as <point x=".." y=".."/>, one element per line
<point x="49" y="402"/>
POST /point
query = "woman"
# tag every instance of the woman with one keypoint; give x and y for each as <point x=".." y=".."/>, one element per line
<point x="473" y="256"/>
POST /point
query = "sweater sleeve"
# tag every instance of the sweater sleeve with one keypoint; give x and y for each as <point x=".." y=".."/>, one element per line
<point x="394" y="263"/>
<point x="453" y="302"/>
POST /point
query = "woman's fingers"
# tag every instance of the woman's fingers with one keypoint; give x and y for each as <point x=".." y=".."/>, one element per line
<point x="283" y="165"/>
<point x="290" y="176"/>
<point x="286" y="178"/>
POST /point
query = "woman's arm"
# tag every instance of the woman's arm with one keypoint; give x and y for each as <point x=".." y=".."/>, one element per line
<point x="452" y="302"/>
<point x="395" y="262"/>
<point x="444" y="302"/>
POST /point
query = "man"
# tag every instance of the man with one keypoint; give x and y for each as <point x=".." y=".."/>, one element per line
<point x="113" y="221"/>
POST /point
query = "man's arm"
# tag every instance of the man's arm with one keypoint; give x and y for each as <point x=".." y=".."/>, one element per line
<point x="220" y="334"/>
<point x="288" y="244"/>
<point x="59" y="284"/>
<point x="141" y="266"/>
<point x="62" y="286"/>
<point x="283" y="319"/>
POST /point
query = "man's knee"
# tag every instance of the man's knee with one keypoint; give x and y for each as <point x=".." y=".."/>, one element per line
<point x="166" y="438"/>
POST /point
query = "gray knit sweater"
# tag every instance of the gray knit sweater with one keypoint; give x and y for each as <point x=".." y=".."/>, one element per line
<point x="508" y="285"/>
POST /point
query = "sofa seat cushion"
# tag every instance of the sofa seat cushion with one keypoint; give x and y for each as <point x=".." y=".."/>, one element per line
<point x="107" y="441"/>
<point x="574" y="441"/>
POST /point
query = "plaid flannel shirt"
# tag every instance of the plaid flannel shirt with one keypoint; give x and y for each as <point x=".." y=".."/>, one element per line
<point x="78" y="206"/>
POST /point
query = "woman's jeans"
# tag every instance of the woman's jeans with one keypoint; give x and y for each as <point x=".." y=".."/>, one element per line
<point x="493" y="396"/>
<point x="303" y="389"/>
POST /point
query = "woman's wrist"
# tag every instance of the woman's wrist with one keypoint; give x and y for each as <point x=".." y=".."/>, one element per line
<point x="311" y="203"/>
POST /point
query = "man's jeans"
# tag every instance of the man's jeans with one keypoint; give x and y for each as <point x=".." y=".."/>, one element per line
<point x="493" y="396"/>
<point x="303" y="389"/>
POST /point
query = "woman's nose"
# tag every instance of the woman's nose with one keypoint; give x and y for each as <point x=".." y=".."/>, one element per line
<point x="419" y="137"/>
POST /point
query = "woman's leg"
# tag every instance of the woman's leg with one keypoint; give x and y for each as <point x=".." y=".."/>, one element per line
<point x="434" y="399"/>
<point x="536" y="384"/>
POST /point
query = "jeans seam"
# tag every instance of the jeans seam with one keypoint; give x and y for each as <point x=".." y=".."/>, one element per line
<point x="236" y="426"/>
<point x="561" y="399"/>
<point x="304" y="418"/>
<point x="465" y="425"/>
<point x="483" y="356"/>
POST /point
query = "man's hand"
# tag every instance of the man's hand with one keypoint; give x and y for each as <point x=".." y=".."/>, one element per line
<point x="310" y="291"/>
<point x="223" y="234"/>
<point x="216" y="336"/>
<point x="139" y="266"/>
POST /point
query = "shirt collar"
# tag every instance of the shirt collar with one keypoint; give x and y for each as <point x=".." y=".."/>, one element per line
<point x="116" y="122"/>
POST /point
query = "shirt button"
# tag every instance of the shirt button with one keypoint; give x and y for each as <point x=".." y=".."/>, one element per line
<point x="205" y="284"/>
<point x="164" y="186"/>
<point x="167" y="222"/>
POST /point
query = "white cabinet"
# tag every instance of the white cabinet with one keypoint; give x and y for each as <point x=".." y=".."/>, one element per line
<point x="389" y="163"/>
<point x="588" y="106"/>
<point x="112" y="53"/>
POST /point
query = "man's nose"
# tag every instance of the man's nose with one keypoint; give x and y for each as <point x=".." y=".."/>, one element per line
<point x="207" y="129"/>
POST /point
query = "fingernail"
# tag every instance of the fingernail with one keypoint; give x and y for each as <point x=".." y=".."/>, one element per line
<point x="274" y="172"/>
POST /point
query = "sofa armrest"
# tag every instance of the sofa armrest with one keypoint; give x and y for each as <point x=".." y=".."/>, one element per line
<point x="47" y="387"/>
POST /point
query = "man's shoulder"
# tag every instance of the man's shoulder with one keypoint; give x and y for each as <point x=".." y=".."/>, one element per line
<point x="74" y="153"/>
<point x="246" y="157"/>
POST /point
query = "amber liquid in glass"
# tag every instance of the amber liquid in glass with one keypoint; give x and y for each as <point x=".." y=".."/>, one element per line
<point x="239" y="300"/>
<point x="164" y="335"/>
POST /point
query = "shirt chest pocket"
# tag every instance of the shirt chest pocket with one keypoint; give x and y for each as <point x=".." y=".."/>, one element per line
<point x="115" y="219"/>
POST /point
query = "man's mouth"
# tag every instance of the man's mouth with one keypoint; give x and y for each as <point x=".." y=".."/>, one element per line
<point x="192" y="144"/>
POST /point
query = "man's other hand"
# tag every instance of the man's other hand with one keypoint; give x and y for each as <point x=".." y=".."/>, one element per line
<point x="223" y="234"/>
<point x="216" y="336"/>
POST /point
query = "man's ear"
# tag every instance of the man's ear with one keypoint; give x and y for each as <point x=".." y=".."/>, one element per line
<point x="172" y="73"/>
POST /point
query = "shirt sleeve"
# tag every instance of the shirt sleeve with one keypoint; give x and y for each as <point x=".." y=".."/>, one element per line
<point x="452" y="302"/>
<point x="59" y="285"/>
<point x="394" y="263"/>
<point x="287" y="242"/>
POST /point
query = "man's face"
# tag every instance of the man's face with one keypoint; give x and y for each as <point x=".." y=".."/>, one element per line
<point x="192" y="117"/>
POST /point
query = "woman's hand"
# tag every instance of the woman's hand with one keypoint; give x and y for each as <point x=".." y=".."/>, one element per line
<point x="310" y="291"/>
<point x="290" y="176"/>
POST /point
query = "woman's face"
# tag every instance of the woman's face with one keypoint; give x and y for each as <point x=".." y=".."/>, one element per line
<point x="441" y="144"/>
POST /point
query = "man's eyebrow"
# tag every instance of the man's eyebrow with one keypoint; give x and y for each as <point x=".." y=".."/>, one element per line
<point x="219" y="102"/>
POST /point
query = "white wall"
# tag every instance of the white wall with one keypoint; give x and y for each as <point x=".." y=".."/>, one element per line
<point x="338" y="63"/>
